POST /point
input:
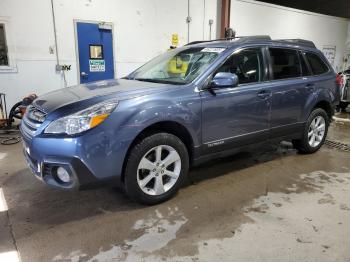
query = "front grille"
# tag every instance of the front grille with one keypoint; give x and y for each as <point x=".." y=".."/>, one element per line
<point x="31" y="121"/>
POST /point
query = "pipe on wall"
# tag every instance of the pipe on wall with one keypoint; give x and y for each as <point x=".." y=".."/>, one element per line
<point x="58" y="69"/>
<point x="225" y="16"/>
<point x="204" y="7"/>
<point x="188" y="21"/>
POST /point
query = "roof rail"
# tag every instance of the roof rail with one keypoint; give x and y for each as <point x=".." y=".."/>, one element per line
<point x="256" y="37"/>
<point x="299" y="42"/>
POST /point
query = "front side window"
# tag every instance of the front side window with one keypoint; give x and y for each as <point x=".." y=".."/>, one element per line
<point x="247" y="64"/>
<point x="318" y="67"/>
<point x="179" y="66"/>
<point x="4" y="60"/>
<point x="285" y="63"/>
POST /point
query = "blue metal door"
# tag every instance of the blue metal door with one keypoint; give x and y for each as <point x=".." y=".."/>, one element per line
<point x="95" y="45"/>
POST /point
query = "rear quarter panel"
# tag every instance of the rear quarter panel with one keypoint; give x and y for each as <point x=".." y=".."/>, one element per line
<point x="326" y="90"/>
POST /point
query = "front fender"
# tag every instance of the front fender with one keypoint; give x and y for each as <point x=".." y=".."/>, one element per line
<point x="137" y="114"/>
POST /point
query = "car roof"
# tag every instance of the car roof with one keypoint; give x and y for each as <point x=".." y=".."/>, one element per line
<point x="255" y="40"/>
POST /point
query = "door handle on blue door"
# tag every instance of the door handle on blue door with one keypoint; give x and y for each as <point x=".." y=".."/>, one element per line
<point x="263" y="94"/>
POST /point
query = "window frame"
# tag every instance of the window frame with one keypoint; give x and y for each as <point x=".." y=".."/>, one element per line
<point x="11" y="67"/>
<point x="265" y="66"/>
<point x="303" y="57"/>
<point x="5" y="43"/>
<point x="304" y="52"/>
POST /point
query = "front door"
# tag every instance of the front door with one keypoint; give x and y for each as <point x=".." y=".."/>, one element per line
<point x="237" y="116"/>
<point x="95" y="47"/>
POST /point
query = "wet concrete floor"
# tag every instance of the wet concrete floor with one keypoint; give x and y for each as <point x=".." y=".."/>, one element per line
<point x="268" y="205"/>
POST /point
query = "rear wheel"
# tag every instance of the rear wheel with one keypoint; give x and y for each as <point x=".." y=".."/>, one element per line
<point x="156" y="168"/>
<point x="314" y="133"/>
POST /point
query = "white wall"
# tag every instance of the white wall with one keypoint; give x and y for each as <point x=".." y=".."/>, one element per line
<point x="250" y="17"/>
<point x="142" y="30"/>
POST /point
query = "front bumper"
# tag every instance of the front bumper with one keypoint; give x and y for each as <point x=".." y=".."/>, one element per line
<point x="89" y="160"/>
<point x="46" y="171"/>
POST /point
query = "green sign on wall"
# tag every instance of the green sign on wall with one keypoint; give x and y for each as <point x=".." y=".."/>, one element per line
<point x="97" y="65"/>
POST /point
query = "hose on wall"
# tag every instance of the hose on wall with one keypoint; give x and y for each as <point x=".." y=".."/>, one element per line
<point x="56" y="45"/>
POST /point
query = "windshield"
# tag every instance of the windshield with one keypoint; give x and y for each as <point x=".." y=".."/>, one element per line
<point x="178" y="66"/>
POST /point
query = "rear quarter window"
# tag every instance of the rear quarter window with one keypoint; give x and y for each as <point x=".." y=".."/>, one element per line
<point x="318" y="66"/>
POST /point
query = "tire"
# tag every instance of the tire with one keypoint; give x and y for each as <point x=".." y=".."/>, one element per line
<point x="149" y="178"/>
<point x="343" y="106"/>
<point x="15" y="112"/>
<point x="305" y="144"/>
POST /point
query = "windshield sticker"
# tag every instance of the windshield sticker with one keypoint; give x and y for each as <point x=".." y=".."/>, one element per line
<point x="213" y="49"/>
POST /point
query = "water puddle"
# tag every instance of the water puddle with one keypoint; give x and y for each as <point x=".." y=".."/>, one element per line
<point x="157" y="231"/>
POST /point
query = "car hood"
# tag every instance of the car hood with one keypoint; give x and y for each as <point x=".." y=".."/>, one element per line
<point x="120" y="89"/>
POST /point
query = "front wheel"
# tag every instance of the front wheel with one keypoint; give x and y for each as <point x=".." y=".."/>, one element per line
<point x="156" y="168"/>
<point x="314" y="133"/>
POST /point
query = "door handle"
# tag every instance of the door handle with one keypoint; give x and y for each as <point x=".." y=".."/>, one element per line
<point x="83" y="74"/>
<point x="264" y="94"/>
<point x="310" y="87"/>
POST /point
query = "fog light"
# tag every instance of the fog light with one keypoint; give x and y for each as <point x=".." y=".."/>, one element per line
<point x="63" y="175"/>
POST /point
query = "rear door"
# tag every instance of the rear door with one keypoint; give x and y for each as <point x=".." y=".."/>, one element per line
<point x="290" y="89"/>
<point x="95" y="48"/>
<point x="236" y="116"/>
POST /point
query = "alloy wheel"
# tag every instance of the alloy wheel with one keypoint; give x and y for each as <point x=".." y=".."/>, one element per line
<point x="316" y="131"/>
<point x="158" y="170"/>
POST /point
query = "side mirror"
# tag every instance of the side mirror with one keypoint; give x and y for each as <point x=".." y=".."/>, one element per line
<point x="224" y="80"/>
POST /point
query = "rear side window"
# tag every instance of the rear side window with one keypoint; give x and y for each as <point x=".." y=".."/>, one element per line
<point x="285" y="63"/>
<point x="318" y="67"/>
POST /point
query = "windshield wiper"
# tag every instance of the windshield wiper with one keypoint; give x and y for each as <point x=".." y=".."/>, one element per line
<point x="159" y="81"/>
<point x="127" y="78"/>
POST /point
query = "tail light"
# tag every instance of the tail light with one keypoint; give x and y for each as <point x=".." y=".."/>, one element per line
<point x="339" y="80"/>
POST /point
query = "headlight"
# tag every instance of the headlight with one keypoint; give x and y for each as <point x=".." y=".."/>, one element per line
<point x="82" y="120"/>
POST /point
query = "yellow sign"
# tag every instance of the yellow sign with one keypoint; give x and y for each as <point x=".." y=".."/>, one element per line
<point x="174" y="39"/>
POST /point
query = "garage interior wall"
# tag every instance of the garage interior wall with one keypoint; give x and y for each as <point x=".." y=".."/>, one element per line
<point x="142" y="30"/>
<point x="250" y="17"/>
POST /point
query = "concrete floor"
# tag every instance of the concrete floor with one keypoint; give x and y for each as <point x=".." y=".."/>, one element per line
<point x="267" y="205"/>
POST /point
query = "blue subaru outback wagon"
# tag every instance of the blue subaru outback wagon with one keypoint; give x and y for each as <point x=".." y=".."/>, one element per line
<point x="193" y="103"/>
